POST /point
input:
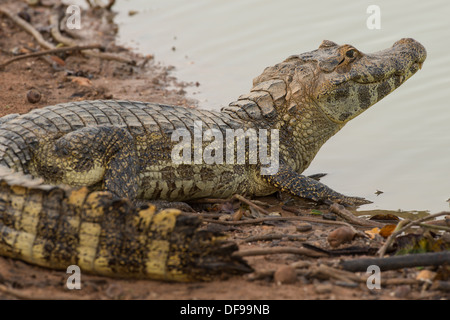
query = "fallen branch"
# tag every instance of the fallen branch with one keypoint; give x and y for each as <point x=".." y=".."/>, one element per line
<point x="56" y="34"/>
<point x="399" y="230"/>
<point x="265" y="251"/>
<point x="434" y="227"/>
<point x="398" y="262"/>
<point x="27" y="27"/>
<point x="51" y="51"/>
<point x="251" y="204"/>
<point x="333" y="273"/>
<point x="354" y="250"/>
<point x="351" y="218"/>
<point x="274" y="236"/>
<point x="264" y="219"/>
<point x="347" y="276"/>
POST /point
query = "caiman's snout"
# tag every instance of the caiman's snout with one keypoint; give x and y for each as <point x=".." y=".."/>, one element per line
<point x="400" y="61"/>
<point x="413" y="49"/>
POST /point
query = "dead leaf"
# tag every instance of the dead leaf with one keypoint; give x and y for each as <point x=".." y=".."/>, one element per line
<point x="372" y="232"/>
<point x="426" y="276"/>
<point x="387" y="230"/>
<point x="237" y="215"/>
<point x="58" y="60"/>
<point x="85" y="82"/>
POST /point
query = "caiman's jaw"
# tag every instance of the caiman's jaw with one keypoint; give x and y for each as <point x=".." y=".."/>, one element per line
<point x="349" y="81"/>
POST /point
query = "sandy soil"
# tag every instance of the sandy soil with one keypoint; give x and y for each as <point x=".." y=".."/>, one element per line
<point x="64" y="78"/>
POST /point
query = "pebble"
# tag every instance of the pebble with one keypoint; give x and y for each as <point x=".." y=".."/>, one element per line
<point x="329" y="216"/>
<point x="285" y="275"/>
<point x="303" y="226"/>
<point x="33" y="96"/>
<point x="340" y="235"/>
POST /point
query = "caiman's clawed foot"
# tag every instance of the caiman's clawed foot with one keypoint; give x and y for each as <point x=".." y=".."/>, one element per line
<point x="317" y="176"/>
<point x="287" y="180"/>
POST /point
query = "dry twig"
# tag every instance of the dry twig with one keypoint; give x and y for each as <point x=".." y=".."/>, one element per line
<point x="265" y="219"/>
<point x="274" y="236"/>
<point x="435" y="227"/>
<point x="351" y="218"/>
<point x="398" y="262"/>
<point x="27" y="27"/>
<point x="56" y="34"/>
<point x="51" y="51"/>
<point x="277" y="250"/>
<point x="250" y="203"/>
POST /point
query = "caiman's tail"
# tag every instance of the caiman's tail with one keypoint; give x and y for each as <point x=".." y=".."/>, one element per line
<point x="55" y="227"/>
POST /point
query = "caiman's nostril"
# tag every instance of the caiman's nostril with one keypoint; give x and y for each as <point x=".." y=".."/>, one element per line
<point x="405" y="41"/>
<point x="413" y="46"/>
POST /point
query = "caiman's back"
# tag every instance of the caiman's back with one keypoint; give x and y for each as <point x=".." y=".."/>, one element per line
<point x="59" y="142"/>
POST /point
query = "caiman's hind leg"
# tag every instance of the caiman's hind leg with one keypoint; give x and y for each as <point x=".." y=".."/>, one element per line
<point x="103" y="155"/>
<point x="287" y="180"/>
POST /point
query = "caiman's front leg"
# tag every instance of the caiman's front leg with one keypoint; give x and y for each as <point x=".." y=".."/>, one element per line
<point x="99" y="155"/>
<point x="287" y="180"/>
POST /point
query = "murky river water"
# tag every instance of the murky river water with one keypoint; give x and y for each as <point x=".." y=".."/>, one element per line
<point x="401" y="146"/>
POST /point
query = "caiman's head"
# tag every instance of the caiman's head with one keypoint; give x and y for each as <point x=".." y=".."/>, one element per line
<point x="344" y="81"/>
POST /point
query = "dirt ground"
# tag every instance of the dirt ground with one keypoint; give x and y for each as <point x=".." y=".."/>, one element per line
<point x="37" y="82"/>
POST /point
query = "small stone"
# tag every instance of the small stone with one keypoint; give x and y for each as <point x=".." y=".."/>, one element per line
<point x="33" y="96"/>
<point x="329" y="216"/>
<point x="303" y="227"/>
<point x="285" y="275"/>
<point x="340" y="235"/>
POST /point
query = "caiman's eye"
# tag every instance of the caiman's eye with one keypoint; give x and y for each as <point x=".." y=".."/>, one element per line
<point x="351" y="53"/>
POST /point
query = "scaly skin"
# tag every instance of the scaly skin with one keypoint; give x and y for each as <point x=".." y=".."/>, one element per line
<point x="125" y="147"/>
<point x="55" y="227"/>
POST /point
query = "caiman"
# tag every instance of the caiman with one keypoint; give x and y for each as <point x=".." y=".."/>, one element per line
<point x="113" y="152"/>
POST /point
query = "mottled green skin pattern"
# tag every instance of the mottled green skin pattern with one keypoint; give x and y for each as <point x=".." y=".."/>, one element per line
<point x="125" y="146"/>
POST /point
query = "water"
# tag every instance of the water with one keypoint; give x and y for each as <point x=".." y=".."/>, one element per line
<point x="400" y="146"/>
